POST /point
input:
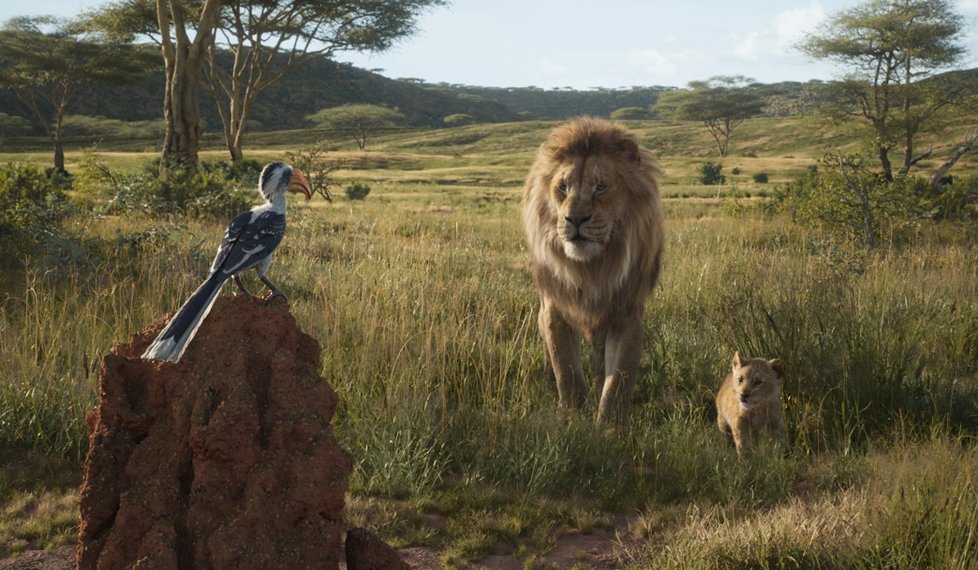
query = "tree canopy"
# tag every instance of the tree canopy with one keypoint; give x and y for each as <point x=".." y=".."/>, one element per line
<point x="358" y="120"/>
<point x="721" y="103"/>
<point x="266" y="38"/>
<point x="48" y="62"/>
<point x="892" y="49"/>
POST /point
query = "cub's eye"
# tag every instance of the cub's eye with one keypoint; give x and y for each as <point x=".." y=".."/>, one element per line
<point x="740" y="379"/>
<point x="562" y="188"/>
<point x="600" y="189"/>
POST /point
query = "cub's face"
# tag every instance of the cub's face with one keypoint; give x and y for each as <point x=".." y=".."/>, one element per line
<point x="756" y="381"/>
<point x="588" y="198"/>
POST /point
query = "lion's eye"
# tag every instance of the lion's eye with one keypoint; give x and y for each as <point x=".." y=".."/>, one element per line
<point x="562" y="188"/>
<point x="600" y="189"/>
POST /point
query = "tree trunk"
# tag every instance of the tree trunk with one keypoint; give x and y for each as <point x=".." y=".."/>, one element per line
<point x="884" y="154"/>
<point x="183" y="60"/>
<point x="937" y="180"/>
<point x="181" y="114"/>
<point x="59" y="156"/>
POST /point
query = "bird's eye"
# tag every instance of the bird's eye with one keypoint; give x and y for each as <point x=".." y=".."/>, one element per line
<point x="562" y="188"/>
<point x="600" y="189"/>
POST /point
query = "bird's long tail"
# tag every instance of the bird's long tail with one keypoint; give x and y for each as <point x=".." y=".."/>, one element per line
<point x="174" y="338"/>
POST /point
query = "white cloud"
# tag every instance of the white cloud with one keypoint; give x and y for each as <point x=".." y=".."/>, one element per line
<point x="791" y="25"/>
<point x="652" y="61"/>
<point x="750" y="47"/>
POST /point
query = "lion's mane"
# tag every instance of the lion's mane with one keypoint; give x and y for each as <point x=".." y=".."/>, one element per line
<point x="594" y="293"/>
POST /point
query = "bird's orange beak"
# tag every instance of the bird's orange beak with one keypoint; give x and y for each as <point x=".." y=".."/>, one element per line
<point x="299" y="183"/>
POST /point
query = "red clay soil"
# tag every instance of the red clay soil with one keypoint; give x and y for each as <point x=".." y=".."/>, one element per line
<point x="224" y="460"/>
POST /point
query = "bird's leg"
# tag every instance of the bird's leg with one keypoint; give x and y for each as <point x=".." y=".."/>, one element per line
<point x="240" y="284"/>
<point x="276" y="292"/>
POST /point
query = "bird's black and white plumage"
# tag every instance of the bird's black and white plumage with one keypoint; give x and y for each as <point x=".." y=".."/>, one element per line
<point x="248" y="242"/>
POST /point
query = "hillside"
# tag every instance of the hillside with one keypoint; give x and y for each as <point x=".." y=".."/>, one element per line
<point x="318" y="84"/>
<point x="324" y="83"/>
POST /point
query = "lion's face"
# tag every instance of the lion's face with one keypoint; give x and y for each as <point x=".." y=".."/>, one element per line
<point x="592" y="215"/>
<point x="586" y="196"/>
<point x="757" y="381"/>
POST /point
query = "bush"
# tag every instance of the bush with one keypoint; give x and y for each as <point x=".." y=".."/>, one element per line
<point x="630" y="114"/>
<point x="357" y="191"/>
<point x="218" y="190"/>
<point x="761" y="178"/>
<point x="458" y="120"/>
<point x="850" y="201"/>
<point x="710" y="174"/>
<point x="735" y="170"/>
<point x="32" y="207"/>
<point x="312" y="161"/>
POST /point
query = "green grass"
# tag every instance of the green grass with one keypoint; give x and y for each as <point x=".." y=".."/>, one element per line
<point x="421" y="298"/>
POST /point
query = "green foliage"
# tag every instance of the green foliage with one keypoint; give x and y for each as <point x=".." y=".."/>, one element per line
<point x="891" y="50"/>
<point x="32" y="208"/>
<point x="312" y="161"/>
<point x="103" y="127"/>
<point x="721" y="103"/>
<point x="13" y="125"/>
<point x="630" y="113"/>
<point x="710" y="174"/>
<point x="952" y="201"/>
<point x="359" y="120"/>
<point x="218" y="190"/>
<point x="47" y="70"/>
<point x="357" y="191"/>
<point x="760" y="177"/>
<point x="459" y="120"/>
<point x="852" y="203"/>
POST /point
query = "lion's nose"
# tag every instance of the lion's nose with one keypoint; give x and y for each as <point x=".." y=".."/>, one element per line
<point x="577" y="220"/>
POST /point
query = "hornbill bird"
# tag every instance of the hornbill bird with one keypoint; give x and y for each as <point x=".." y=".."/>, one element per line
<point x="249" y="241"/>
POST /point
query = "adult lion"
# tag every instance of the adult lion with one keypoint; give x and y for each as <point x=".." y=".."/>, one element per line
<point x="593" y="223"/>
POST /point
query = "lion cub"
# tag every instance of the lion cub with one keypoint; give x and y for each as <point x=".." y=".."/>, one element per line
<point x="750" y="401"/>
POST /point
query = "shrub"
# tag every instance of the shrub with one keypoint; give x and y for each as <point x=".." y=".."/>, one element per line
<point x="735" y="170"/>
<point x="630" y="114"/>
<point x="357" y="191"/>
<point x="458" y="120"/>
<point x="218" y="190"/>
<point x="761" y="178"/>
<point x="32" y="207"/>
<point x="850" y="201"/>
<point x="312" y="161"/>
<point x="710" y="174"/>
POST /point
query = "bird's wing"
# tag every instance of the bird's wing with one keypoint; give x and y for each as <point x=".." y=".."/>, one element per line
<point x="249" y="238"/>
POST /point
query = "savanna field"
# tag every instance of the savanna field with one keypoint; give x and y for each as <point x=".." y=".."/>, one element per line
<point x="421" y="298"/>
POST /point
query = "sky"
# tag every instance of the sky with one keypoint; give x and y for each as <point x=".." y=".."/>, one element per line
<point x="596" y="43"/>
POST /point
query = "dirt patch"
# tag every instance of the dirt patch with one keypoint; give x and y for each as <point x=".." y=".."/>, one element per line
<point x="60" y="558"/>
<point x="224" y="460"/>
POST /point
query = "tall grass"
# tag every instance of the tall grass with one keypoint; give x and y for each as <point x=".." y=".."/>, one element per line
<point x="421" y="299"/>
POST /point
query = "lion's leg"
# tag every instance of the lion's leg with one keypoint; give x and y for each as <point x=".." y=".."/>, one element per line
<point x="597" y="360"/>
<point x="623" y="353"/>
<point x="742" y="437"/>
<point x="564" y="348"/>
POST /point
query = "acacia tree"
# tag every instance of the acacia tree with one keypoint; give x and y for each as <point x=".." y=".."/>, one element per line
<point x="265" y="40"/>
<point x="721" y="103"/>
<point x="357" y="120"/>
<point x="48" y="63"/>
<point x="893" y="49"/>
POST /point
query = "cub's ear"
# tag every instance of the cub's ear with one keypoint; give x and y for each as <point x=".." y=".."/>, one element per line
<point x="778" y="366"/>
<point x="736" y="361"/>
